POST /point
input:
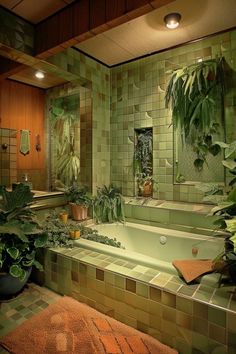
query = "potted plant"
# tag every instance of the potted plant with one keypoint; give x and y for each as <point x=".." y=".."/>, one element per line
<point x="145" y="184"/>
<point x="108" y="205"/>
<point x="79" y="201"/>
<point x="192" y="93"/>
<point x="20" y="239"/>
<point x="142" y="161"/>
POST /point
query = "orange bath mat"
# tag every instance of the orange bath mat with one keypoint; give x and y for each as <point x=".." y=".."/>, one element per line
<point x="192" y="269"/>
<point x="69" y="327"/>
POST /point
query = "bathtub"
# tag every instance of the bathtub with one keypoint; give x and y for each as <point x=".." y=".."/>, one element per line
<point x="154" y="247"/>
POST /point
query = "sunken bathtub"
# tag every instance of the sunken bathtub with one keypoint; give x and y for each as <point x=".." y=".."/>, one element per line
<point x="154" y="247"/>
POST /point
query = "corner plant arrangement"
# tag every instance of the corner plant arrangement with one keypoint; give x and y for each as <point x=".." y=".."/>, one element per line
<point x="20" y="234"/>
<point x="192" y="94"/>
<point x="226" y="210"/>
<point x="108" y="205"/>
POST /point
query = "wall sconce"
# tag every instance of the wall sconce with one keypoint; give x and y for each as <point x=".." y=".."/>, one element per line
<point x="4" y="146"/>
<point x="172" y="20"/>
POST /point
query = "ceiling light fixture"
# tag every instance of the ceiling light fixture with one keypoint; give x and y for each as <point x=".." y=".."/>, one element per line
<point x="39" y="75"/>
<point x="172" y="20"/>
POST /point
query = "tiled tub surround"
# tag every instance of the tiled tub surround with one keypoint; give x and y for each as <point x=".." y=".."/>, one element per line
<point x="154" y="246"/>
<point x="194" y="319"/>
<point x="183" y="216"/>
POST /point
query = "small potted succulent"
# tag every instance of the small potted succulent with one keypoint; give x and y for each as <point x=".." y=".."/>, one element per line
<point x="79" y="201"/>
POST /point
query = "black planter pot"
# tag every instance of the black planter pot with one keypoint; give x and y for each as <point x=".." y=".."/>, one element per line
<point x="10" y="286"/>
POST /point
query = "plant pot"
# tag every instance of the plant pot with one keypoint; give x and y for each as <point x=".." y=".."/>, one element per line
<point x="64" y="217"/>
<point x="78" y="212"/>
<point x="75" y="234"/>
<point x="10" y="285"/>
<point x="147" y="189"/>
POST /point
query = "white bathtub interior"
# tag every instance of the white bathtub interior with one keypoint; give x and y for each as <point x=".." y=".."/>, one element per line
<point x="154" y="246"/>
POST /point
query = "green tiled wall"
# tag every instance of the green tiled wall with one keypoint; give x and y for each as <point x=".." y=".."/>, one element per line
<point x="137" y="101"/>
<point x="193" y="319"/>
<point x="98" y="76"/>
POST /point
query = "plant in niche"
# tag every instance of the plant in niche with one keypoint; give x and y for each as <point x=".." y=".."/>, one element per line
<point x="108" y="205"/>
<point x="142" y="161"/>
<point x="192" y="93"/>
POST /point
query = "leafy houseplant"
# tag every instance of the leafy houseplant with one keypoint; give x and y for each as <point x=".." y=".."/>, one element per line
<point x="20" y="236"/>
<point x="79" y="201"/>
<point x="142" y="161"/>
<point x="192" y="94"/>
<point x="108" y="205"/>
<point x="226" y="210"/>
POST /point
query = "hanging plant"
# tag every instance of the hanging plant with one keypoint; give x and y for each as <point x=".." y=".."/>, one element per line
<point x="192" y="93"/>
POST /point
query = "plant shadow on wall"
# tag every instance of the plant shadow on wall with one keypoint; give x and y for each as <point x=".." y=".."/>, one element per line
<point x="196" y="95"/>
<point x="225" y="209"/>
<point x="143" y="161"/>
<point x="65" y="125"/>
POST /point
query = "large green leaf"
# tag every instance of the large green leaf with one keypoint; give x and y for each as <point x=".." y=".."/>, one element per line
<point x="17" y="272"/>
<point x="13" y="229"/>
<point x="13" y="252"/>
<point x="222" y="207"/>
<point x="231" y="225"/>
<point x="230" y="164"/>
<point x="232" y="195"/>
<point x="41" y="240"/>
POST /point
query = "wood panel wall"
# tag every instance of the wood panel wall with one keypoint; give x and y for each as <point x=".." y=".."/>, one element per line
<point x="22" y="107"/>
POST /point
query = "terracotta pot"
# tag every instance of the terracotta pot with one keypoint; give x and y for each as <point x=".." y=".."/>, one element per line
<point x="78" y="212"/>
<point x="64" y="217"/>
<point x="147" y="189"/>
<point x="75" y="234"/>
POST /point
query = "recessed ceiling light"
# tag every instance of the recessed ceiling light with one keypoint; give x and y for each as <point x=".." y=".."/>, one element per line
<point x="39" y="75"/>
<point x="172" y="20"/>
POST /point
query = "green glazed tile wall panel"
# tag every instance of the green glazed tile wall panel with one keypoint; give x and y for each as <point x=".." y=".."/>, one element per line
<point x="137" y="101"/>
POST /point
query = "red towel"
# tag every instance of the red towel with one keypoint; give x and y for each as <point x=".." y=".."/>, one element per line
<point x="192" y="269"/>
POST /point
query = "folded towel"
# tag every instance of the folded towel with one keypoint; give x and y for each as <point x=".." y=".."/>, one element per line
<point x="192" y="269"/>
